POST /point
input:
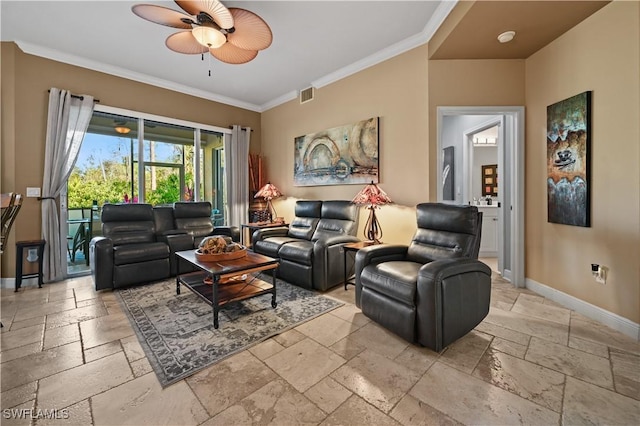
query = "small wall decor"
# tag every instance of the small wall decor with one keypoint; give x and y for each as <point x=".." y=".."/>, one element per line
<point x="490" y="180"/>
<point x="337" y="156"/>
<point x="448" y="174"/>
<point x="568" y="146"/>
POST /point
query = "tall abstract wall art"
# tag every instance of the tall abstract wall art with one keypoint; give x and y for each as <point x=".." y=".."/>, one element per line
<point x="337" y="156"/>
<point x="568" y="144"/>
<point x="448" y="174"/>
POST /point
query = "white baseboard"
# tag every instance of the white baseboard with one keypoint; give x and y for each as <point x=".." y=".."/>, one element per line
<point x="8" y="282"/>
<point x="607" y="318"/>
<point x="507" y="275"/>
<point x="11" y="282"/>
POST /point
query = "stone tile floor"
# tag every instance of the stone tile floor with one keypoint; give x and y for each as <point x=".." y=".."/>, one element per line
<point x="70" y="352"/>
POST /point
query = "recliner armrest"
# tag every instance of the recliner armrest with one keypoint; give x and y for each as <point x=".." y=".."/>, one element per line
<point x="376" y="254"/>
<point x="380" y="253"/>
<point x="261" y="234"/>
<point x="179" y="242"/>
<point x="439" y="270"/>
<point x="101" y="261"/>
<point x="337" y="239"/>
<point x="163" y="237"/>
<point x="453" y="296"/>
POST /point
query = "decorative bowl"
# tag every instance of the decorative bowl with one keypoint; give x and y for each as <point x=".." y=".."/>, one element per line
<point x="217" y="257"/>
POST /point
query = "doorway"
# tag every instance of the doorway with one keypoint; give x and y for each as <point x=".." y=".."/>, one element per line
<point x="457" y="127"/>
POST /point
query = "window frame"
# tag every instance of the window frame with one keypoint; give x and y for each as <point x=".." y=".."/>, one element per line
<point x="141" y="116"/>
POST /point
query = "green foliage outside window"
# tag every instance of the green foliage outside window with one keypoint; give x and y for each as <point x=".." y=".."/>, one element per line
<point x="95" y="184"/>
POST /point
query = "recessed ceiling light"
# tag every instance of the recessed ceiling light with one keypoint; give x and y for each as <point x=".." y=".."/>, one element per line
<point x="506" y="36"/>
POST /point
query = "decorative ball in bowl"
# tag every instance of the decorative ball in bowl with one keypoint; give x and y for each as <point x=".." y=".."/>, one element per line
<point x="217" y="248"/>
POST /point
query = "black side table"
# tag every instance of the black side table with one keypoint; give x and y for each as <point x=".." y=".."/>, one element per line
<point x="20" y="247"/>
<point x="352" y="248"/>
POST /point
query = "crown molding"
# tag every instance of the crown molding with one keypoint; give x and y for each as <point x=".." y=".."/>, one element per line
<point x="439" y="15"/>
<point x="66" y="58"/>
<point x="289" y="96"/>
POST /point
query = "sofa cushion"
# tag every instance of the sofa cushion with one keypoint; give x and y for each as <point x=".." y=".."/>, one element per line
<point x="337" y="218"/>
<point x="444" y="232"/>
<point x="193" y="217"/>
<point x="190" y="209"/>
<point x="308" y="208"/>
<point x="134" y="253"/>
<point x="395" y="279"/>
<point x="271" y="246"/>
<point x="197" y="226"/>
<point x="298" y="251"/>
<point x="128" y="223"/>
<point x="303" y="227"/>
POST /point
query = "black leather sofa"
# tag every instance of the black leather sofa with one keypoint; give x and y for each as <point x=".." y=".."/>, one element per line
<point x="138" y="241"/>
<point x="310" y="249"/>
<point x="434" y="290"/>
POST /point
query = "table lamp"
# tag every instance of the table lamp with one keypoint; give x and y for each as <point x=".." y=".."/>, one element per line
<point x="269" y="192"/>
<point x="372" y="197"/>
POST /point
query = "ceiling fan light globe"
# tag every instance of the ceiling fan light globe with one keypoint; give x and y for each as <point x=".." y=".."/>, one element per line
<point x="208" y="36"/>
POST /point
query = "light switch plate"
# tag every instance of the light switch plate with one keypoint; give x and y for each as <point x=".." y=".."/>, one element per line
<point x="33" y="192"/>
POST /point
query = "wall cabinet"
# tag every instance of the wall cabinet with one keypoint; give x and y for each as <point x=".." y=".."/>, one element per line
<point x="489" y="239"/>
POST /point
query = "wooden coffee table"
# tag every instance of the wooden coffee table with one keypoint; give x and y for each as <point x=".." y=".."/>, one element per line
<point x="225" y="283"/>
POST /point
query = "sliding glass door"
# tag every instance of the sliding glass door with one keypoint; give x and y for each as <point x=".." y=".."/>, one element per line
<point x="142" y="158"/>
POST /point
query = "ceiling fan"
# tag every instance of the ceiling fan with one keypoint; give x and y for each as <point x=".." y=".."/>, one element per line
<point x="232" y="35"/>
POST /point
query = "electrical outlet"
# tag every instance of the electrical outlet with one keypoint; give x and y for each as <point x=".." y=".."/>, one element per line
<point x="599" y="273"/>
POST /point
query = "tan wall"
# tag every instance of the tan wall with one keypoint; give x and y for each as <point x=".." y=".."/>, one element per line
<point x="470" y="83"/>
<point x="395" y="91"/>
<point x="602" y="55"/>
<point x="23" y="133"/>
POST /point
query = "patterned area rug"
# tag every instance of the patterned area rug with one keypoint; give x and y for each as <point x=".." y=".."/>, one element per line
<point x="177" y="334"/>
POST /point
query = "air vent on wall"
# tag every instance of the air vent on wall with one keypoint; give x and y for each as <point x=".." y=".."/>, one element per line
<point x="306" y="95"/>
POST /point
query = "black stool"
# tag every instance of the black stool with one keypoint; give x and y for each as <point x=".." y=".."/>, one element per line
<point x="20" y="246"/>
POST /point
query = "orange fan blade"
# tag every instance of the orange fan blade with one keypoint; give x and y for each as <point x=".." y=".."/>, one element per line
<point x="251" y="33"/>
<point x="162" y="15"/>
<point x="232" y="54"/>
<point x="213" y="8"/>
<point x="184" y="42"/>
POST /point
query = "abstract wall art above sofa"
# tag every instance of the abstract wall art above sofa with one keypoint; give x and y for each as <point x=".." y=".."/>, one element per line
<point x="341" y="155"/>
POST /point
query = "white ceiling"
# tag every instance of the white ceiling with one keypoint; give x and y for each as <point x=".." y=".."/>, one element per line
<point x="314" y="43"/>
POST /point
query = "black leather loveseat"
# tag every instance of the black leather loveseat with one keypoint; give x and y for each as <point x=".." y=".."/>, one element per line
<point x="310" y="249"/>
<point x="139" y="240"/>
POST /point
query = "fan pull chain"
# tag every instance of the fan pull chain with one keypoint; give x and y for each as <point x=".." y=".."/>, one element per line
<point x="209" y="64"/>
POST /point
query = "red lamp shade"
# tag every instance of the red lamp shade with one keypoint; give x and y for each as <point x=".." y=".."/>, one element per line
<point x="269" y="192"/>
<point x="372" y="196"/>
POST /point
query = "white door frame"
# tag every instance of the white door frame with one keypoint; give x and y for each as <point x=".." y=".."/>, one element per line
<point x="513" y="135"/>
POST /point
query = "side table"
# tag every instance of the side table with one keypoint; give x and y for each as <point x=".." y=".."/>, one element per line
<point x="353" y="248"/>
<point x="252" y="226"/>
<point x="38" y="245"/>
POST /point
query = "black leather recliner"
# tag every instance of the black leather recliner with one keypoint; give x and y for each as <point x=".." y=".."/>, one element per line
<point x="128" y="252"/>
<point x="310" y="249"/>
<point x="433" y="291"/>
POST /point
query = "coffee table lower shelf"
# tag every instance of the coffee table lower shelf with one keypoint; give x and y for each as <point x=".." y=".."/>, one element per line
<point x="220" y="294"/>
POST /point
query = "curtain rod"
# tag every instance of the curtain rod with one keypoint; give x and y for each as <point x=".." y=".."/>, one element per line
<point x="79" y="97"/>
<point x="243" y="127"/>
